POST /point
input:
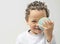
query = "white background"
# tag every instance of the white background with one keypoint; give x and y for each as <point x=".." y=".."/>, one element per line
<point x="12" y="21"/>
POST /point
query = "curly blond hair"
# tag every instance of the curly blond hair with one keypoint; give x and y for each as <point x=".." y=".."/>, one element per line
<point x="36" y="5"/>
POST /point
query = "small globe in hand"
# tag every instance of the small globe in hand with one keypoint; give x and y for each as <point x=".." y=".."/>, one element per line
<point x="41" y="21"/>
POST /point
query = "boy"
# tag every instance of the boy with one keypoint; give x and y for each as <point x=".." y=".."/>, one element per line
<point x="35" y="11"/>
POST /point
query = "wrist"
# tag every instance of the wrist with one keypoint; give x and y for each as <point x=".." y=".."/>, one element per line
<point x="49" y="38"/>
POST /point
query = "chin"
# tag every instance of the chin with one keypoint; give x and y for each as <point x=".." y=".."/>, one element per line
<point x="38" y="31"/>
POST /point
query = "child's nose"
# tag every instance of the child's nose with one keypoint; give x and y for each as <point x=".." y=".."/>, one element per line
<point x="37" y="25"/>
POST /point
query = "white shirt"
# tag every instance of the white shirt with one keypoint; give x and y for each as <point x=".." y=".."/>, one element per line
<point x="28" y="38"/>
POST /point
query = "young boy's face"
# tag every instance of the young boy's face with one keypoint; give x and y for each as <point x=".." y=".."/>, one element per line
<point x="33" y="19"/>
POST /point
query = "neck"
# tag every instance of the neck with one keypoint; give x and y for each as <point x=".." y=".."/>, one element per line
<point x="32" y="32"/>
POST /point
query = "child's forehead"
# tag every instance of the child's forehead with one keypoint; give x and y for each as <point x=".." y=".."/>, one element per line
<point x="37" y="11"/>
<point x="35" y="18"/>
<point x="37" y="14"/>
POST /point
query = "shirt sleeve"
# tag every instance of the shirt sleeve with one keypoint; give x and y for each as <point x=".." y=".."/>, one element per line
<point x="18" y="41"/>
<point x="52" y="41"/>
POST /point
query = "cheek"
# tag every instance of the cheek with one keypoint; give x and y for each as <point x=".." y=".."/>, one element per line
<point x="32" y="26"/>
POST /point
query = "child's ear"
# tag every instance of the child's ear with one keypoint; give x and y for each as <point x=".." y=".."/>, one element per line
<point x="27" y="22"/>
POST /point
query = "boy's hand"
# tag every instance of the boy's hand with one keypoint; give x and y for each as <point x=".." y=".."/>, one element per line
<point x="48" y="29"/>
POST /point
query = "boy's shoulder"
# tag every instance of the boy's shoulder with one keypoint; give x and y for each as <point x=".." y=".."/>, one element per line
<point x="22" y="35"/>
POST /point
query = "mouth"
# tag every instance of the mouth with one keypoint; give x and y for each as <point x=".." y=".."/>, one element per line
<point x="37" y="28"/>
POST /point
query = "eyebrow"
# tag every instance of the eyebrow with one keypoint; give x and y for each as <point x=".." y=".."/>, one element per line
<point x="34" y="20"/>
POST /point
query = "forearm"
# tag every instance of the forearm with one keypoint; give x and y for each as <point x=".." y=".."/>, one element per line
<point x="49" y="38"/>
<point x="52" y="41"/>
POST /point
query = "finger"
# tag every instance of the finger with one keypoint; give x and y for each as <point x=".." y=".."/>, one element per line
<point x="43" y="27"/>
<point x="51" y="21"/>
<point x="46" y="22"/>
